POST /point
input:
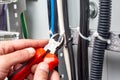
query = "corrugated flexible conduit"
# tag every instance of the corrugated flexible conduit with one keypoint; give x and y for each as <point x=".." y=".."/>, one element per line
<point x="100" y="45"/>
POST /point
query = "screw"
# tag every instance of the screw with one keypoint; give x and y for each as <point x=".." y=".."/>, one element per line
<point x="93" y="10"/>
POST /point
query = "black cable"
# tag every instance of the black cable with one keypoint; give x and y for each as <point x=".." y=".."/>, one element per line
<point x="99" y="45"/>
<point x="49" y="12"/>
<point x="56" y="17"/>
<point x="68" y="38"/>
<point x="56" y="22"/>
<point x="82" y="55"/>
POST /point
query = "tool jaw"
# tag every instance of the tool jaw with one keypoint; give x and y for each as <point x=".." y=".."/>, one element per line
<point x="55" y="43"/>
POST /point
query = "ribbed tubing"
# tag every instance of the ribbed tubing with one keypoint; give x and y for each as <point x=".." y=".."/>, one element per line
<point x="99" y="45"/>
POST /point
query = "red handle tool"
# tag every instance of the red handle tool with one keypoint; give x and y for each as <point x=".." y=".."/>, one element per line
<point x="40" y="55"/>
<point x="46" y="54"/>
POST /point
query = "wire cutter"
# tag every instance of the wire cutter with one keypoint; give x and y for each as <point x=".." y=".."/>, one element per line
<point x="46" y="54"/>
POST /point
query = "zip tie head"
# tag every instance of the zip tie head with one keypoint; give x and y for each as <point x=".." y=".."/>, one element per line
<point x="89" y="38"/>
<point x="96" y="34"/>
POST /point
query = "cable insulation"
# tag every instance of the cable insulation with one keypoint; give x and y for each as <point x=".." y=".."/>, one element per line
<point x="52" y="27"/>
<point x="24" y="25"/>
<point x="69" y="39"/>
<point x="82" y="54"/>
<point x="61" y="31"/>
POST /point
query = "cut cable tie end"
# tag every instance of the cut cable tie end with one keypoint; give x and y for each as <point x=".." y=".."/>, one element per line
<point x="50" y="32"/>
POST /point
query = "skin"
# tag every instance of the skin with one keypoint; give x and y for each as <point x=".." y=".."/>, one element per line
<point x="12" y="53"/>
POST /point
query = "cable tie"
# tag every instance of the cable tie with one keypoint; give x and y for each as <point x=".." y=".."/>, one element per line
<point x="89" y="38"/>
<point x="82" y="36"/>
<point x="96" y="34"/>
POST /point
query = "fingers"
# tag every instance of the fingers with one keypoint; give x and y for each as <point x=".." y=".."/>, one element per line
<point x="10" y="46"/>
<point x="54" y="76"/>
<point x="30" y="77"/>
<point x="42" y="72"/>
<point x="33" y="69"/>
<point x="8" y="60"/>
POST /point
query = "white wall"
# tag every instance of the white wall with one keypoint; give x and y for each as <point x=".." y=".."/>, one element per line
<point x="37" y="19"/>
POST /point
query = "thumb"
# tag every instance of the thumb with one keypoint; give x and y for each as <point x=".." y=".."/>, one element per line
<point x="42" y="71"/>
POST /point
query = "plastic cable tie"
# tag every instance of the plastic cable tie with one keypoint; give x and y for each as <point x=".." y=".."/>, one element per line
<point x="96" y="34"/>
<point x="82" y="36"/>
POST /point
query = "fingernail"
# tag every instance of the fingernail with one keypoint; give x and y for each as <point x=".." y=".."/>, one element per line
<point x="31" y="51"/>
<point x="44" y="66"/>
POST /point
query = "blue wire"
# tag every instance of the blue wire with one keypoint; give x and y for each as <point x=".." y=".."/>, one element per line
<point x="52" y="27"/>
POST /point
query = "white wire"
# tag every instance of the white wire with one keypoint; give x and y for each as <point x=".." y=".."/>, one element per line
<point x="60" y="16"/>
<point x="61" y="28"/>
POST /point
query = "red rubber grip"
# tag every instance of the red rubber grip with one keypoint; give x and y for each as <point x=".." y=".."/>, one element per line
<point x="52" y="60"/>
<point x="40" y="55"/>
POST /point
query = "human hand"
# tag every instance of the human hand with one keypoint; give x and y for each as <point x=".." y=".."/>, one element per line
<point x="41" y="72"/>
<point x="15" y="52"/>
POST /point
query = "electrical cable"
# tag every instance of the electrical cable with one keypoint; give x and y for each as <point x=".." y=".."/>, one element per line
<point x="55" y="18"/>
<point x="49" y="11"/>
<point x="52" y="16"/>
<point x="69" y="39"/>
<point x="24" y="25"/>
<point x="82" y="54"/>
<point x="100" y="45"/>
<point x="62" y="31"/>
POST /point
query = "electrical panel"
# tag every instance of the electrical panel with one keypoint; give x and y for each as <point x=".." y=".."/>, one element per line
<point x="32" y="19"/>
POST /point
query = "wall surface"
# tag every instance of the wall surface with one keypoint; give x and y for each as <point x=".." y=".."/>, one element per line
<point x="37" y="19"/>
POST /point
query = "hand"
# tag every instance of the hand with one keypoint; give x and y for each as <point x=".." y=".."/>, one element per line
<point x="15" y="52"/>
<point x="41" y="72"/>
